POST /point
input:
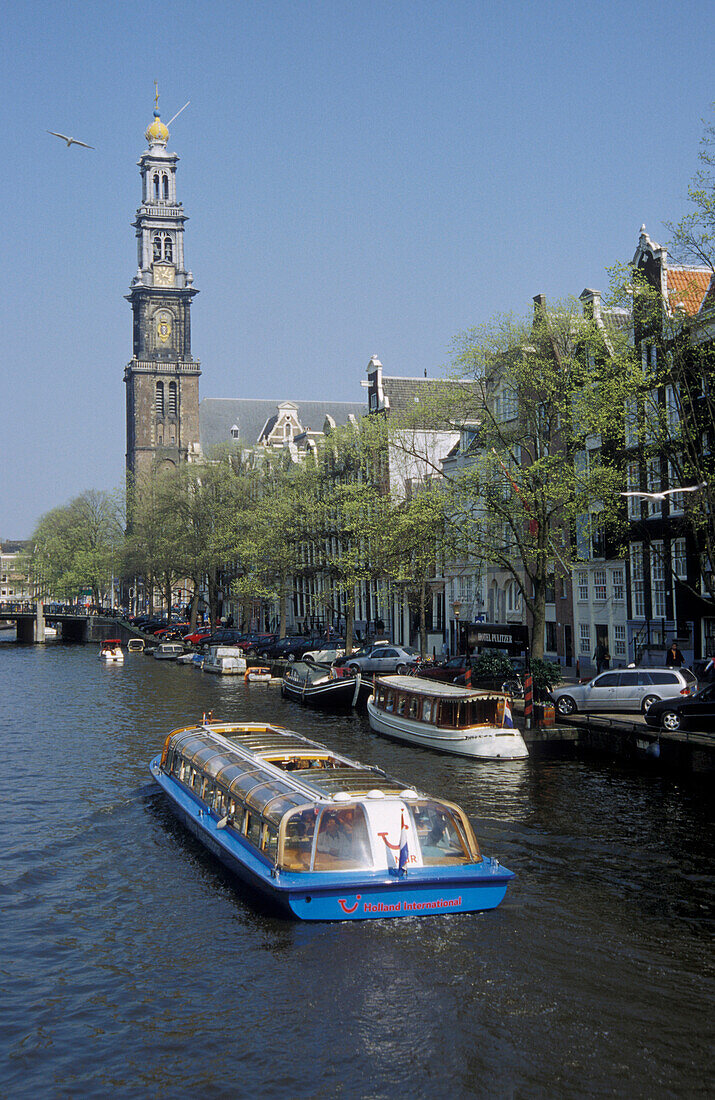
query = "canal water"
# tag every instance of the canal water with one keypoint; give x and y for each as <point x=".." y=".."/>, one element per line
<point x="132" y="964"/>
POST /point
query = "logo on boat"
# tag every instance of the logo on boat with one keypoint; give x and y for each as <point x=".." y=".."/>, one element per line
<point x="400" y="906"/>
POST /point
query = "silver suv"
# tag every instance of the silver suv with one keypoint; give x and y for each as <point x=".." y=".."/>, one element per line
<point x="625" y="689"/>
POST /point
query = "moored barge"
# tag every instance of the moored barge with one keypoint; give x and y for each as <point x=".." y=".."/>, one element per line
<point x="446" y="717"/>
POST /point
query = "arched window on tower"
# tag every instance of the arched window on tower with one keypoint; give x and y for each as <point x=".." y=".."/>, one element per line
<point x="165" y="182"/>
<point x="156" y="186"/>
<point x="157" y="246"/>
<point x="159" y="400"/>
<point x="172" y="399"/>
<point x="168" y="248"/>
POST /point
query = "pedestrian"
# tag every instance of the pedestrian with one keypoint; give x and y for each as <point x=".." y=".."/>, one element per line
<point x="601" y="657"/>
<point x="674" y="658"/>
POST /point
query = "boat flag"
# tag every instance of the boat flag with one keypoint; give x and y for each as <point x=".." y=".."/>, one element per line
<point x="404" y="850"/>
<point x="508" y="720"/>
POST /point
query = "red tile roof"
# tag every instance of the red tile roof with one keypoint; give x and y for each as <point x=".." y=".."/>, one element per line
<point x="688" y="285"/>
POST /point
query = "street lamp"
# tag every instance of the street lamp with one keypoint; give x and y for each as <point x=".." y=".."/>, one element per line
<point x="456" y="608"/>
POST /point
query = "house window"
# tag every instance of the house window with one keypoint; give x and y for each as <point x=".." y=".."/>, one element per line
<point x="676" y="501"/>
<point x="654" y="486"/>
<point x="582" y="585"/>
<point x="634" y="484"/>
<point x="672" y="405"/>
<point x="631" y="422"/>
<point x="584" y="638"/>
<point x="599" y="585"/>
<point x="617" y="584"/>
<point x="657" y="579"/>
<point x="550" y="642"/>
<point x="680" y="564"/>
<point x="637" y="589"/>
<point x="619" y="640"/>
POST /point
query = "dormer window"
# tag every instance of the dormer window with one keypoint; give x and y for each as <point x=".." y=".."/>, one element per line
<point x="234" y="431"/>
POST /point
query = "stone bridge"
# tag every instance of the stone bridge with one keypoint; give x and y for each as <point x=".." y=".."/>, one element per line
<point x="75" y="624"/>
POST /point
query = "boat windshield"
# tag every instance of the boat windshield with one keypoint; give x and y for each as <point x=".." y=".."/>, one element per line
<point x="330" y="839"/>
<point x="441" y="834"/>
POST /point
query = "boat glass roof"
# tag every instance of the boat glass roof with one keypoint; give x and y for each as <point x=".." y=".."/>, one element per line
<point x="228" y="754"/>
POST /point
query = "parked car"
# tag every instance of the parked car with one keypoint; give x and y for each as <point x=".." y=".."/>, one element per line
<point x="197" y="636"/>
<point x="694" y="712"/>
<point x="225" y="635"/>
<point x="625" y="689"/>
<point x="382" y="658"/>
<point x="447" y="671"/>
<point x="326" y="653"/>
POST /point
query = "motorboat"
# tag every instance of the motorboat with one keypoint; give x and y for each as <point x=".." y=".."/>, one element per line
<point x="135" y="645"/>
<point x="168" y="651"/>
<point x="446" y="717"/>
<point x="110" y="651"/>
<point x="227" y="660"/>
<point x="320" y="687"/>
<point x="323" y="836"/>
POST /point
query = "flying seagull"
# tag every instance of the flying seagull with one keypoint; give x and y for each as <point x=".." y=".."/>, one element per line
<point x="666" y="492"/>
<point x="70" y="140"/>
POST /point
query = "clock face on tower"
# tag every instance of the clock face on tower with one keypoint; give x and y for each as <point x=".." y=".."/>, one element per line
<point x="164" y="275"/>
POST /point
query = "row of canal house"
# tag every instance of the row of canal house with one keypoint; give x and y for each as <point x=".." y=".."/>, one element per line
<point x="632" y="605"/>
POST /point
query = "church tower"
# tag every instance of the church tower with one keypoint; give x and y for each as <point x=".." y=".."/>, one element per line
<point x="162" y="378"/>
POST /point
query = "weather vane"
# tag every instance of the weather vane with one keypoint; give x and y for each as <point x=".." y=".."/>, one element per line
<point x="156" y="94"/>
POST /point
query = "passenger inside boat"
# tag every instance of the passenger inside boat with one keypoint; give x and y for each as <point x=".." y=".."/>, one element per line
<point x="440" y="838"/>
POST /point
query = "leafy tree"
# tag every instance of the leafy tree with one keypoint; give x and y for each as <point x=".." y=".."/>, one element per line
<point x="532" y="479"/>
<point x="77" y="547"/>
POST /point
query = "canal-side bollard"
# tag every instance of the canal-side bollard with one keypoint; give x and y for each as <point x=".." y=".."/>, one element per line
<point x="528" y="699"/>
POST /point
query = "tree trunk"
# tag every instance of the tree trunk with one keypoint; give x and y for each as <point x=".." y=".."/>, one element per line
<point x="213" y="598"/>
<point x="539" y="617"/>
<point x="423" y="625"/>
<point x="283" y="611"/>
<point x="349" y="620"/>
<point x="194" y="606"/>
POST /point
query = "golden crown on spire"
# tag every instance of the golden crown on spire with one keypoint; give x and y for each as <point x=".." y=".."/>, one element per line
<point x="157" y="133"/>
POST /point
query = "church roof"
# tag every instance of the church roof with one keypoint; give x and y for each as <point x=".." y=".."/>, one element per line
<point x="218" y="415"/>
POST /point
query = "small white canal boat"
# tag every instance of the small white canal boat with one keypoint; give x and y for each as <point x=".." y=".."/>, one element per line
<point x="135" y="645"/>
<point x="110" y="651"/>
<point x="226" y="660"/>
<point x="168" y="651"/>
<point x="446" y="717"/>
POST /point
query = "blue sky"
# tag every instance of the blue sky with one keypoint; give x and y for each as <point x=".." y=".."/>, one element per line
<point x="360" y="178"/>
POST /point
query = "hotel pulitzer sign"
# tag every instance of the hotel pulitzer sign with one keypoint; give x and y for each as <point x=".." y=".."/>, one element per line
<point x="498" y="636"/>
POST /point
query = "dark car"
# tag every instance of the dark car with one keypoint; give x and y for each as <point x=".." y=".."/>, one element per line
<point x="225" y="635"/>
<point x="447" y="671"/>
<point x="290" y="649"/>
<point x="694" y="712"/>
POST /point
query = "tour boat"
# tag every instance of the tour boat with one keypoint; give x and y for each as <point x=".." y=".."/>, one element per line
<point x="446" y="717"/>
<point x="110" y="651"/>
<point x="320" y="687"/>
<point x="227" y="660"/>
<point x="168" y="651"/>
<point x="323" y="836"/>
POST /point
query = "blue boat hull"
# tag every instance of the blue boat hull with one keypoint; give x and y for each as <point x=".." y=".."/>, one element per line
<point x="360" y="896"/>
